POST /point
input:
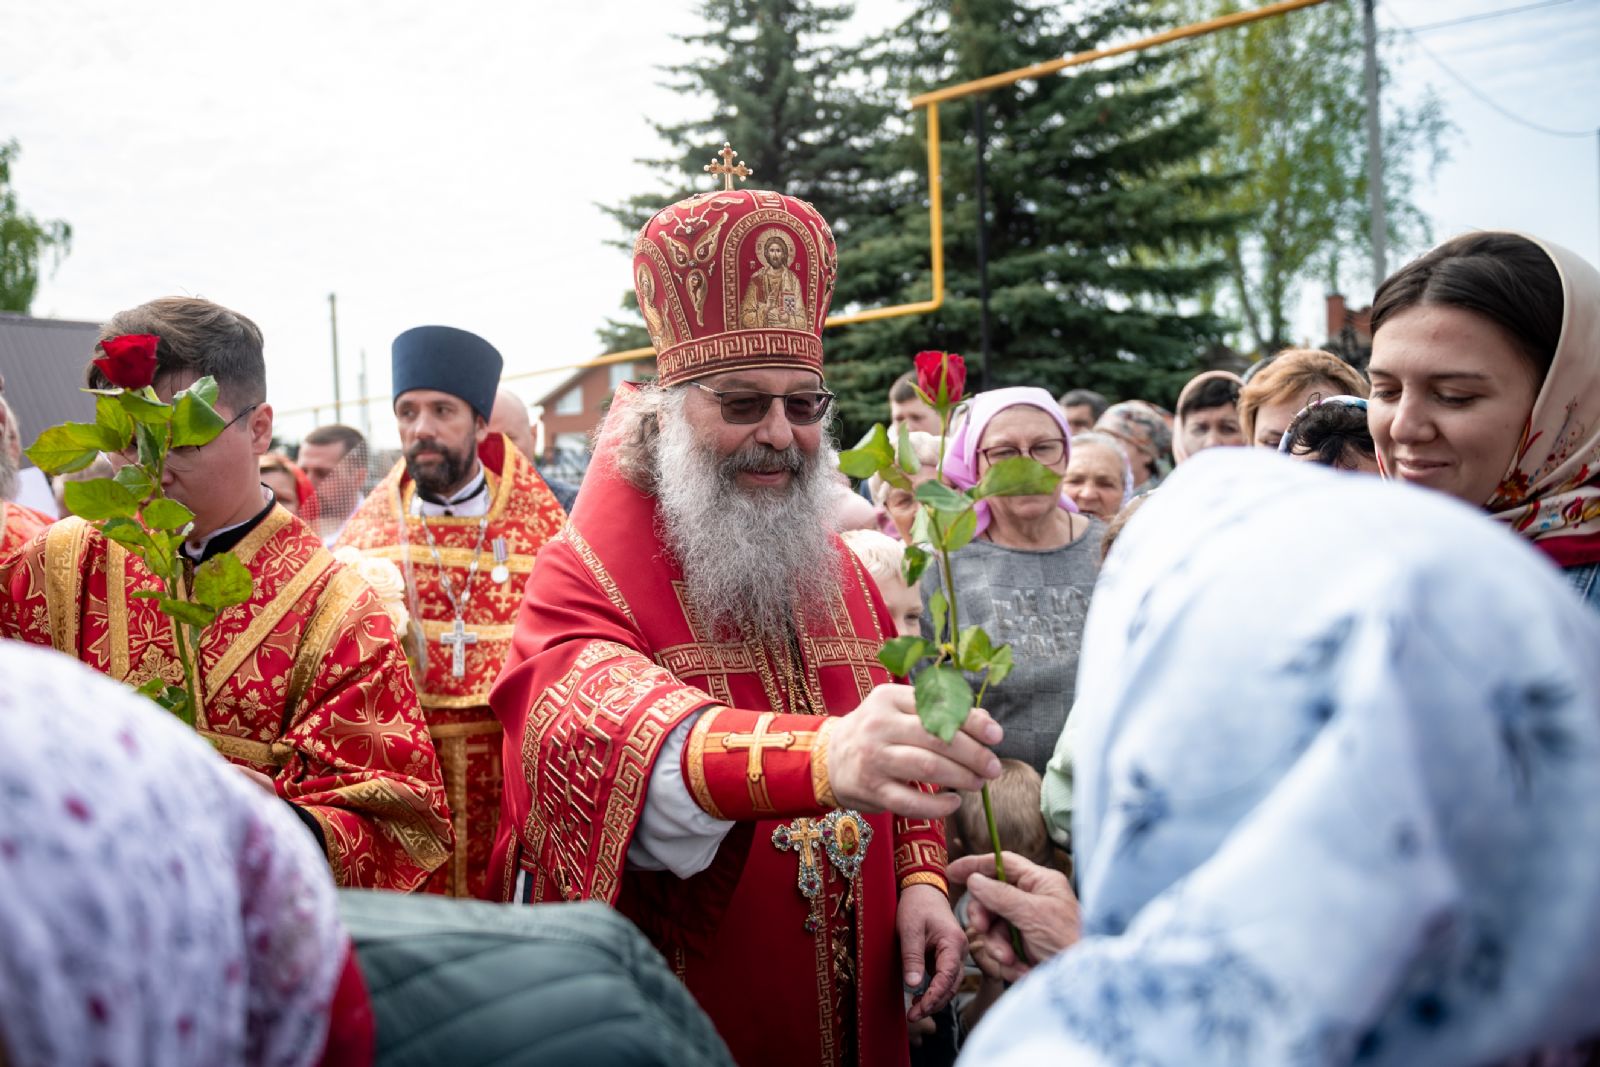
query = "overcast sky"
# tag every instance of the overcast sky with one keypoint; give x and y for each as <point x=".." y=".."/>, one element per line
<point x="440" y="162"/>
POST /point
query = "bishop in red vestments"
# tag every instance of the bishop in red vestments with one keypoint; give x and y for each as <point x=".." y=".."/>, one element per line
<point x="697" y="729"/>
<point x="462" y="513"/>
<point x="304" y="685"/>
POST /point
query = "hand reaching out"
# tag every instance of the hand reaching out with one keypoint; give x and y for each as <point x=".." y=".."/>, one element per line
<point x="1038" y="902"/>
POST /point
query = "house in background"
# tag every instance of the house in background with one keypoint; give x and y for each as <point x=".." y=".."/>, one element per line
<point x="571" y="411"/>
<point x="1349" y="331"/>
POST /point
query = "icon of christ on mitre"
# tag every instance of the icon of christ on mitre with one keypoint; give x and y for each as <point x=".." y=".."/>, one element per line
<point x="697" y="728"/>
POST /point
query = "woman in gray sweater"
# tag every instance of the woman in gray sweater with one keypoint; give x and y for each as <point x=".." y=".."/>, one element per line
<point x="1027" y="577"/>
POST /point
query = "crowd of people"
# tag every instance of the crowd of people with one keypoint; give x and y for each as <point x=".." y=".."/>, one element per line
<point x="1297" y="760"/>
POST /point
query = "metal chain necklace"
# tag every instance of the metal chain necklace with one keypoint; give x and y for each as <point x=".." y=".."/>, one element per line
<point x="458" y="638"/>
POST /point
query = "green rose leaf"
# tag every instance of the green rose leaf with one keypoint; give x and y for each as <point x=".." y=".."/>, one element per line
<point x="943" y="700"/>
<point x="959" y="532"/>
<point x="147" y="594"/>
<point x="1017" y="476"/>
<point x="1000" y="664"/>
<point x="938" y="609"/>
<point x="136" y="480"/>
<point x="164" y="513"/>
<point x="115" y="425"/>
<point x="916" y="561"/>
<point x="923" y="530"/>
<point x="858" y="463"/>
<point x="973" y="649"/>
<point x="186" y="611"/>
<point x="905" y="454"/>
<point x="875" y="456"/>
<point x="144" y="407"/>
<point x="152" y="444"/>
<point x="194" y="422"/>
<point x="66" y="448"/>
<point x="100" y="498"/>
<point x="942" y="498"/>
<point x="204" y="389"/>
<point x="900" y="654"/>
<point x="171" y="697"/>
<point x="221" y="582"/>
<point x="128" y="534"/>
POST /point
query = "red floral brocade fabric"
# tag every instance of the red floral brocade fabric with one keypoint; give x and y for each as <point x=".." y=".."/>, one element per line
<point x="304" y="682"/>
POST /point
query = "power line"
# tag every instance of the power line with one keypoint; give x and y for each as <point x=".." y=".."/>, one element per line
<point x="1475" y="91"/>
<point x="1486" y="15"/>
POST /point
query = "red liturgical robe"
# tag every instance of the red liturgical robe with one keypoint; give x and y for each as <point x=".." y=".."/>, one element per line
<point x="788" y="938"/>
<point x="304" y="682"/>
<point x="523" y="514"/>
<point x="18" y="524"/>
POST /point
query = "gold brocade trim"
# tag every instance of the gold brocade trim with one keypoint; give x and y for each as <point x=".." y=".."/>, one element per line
<point x="117" y="610"/>
<point x="925" y="878"/>
<point x="453" y="765"/>
<point x="335" y="857"/>
<point x="516" y="563"/>
<point x="463" y="729"/>
<point x="435" y="629"/>
<point x="315" y="643"/>
<point x="821" y="783"/>
<point x="268" y="616"/>
<point x="253" y="541"/>
<point x="456" y="701"/>
<point x="586" y="554"/>
<point x="63" y="581"/>
<point x="403" y="814"/>
<point x="275" y="755"/>
<point x="696" y="764"/>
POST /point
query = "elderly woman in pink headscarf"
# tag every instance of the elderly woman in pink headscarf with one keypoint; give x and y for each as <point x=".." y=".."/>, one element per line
<point x="1028" y="576"/>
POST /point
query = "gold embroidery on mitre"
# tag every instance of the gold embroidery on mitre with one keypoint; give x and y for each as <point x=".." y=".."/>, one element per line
<point x="774" y="298"/>
<point x="656" y="323"/>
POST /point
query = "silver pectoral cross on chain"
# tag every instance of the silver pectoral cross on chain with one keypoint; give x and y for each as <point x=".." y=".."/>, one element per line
<point x="458" y="639"/>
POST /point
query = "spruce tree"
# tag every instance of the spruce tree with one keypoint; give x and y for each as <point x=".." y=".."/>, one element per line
<point x="1100" y="214"/>
<point x="803" y="110"/>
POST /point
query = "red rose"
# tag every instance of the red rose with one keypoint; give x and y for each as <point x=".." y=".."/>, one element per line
<point x="129" y="360"/>
<point x="942" y="376"/>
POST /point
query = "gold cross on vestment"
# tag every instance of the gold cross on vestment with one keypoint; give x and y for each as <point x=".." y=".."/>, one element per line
<point x="727" y="168"/>
<point x="758" y="742"/>
<point x="803" y="837"/>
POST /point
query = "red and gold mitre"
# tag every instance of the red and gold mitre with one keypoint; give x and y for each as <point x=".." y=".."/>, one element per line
<point x="737" y="278"/>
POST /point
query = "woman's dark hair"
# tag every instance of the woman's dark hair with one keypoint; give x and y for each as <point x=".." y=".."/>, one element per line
<point x="1212" y="393"/>
<point x="1504" y="277"/>
<point x="1330" y="432"/>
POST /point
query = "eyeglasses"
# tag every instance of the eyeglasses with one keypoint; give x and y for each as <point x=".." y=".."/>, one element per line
<point x="1046" y="452"/>
<point x="186" y="455"/>
<point x="745" y="407"/>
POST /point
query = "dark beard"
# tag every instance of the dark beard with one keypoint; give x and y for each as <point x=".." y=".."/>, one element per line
<point x="443" y="478"/>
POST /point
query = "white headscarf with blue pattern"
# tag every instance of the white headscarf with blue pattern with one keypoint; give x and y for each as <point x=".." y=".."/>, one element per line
<point x="1338" y="787"/>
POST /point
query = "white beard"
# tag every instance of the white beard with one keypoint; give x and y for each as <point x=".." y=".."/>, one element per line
<point x="753" y="560"/>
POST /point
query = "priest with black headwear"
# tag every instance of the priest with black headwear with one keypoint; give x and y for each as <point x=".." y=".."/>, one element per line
<point x="462" y="515"/>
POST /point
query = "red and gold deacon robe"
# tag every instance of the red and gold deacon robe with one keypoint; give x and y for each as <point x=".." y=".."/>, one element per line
<point x="304" y="682"/>
<point x="524" y="512"/>
<point x="788" y="938"/>
<point x="19" y="524"/>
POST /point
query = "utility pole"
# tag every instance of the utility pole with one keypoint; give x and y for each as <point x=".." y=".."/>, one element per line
<point x="333" y="324"/>
<point x="1380" y="224"/>
<point x="361" y="386"/>
<point x="980" y="133"/>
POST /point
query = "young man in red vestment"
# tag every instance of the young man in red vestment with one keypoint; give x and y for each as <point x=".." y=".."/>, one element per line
<point x="697" y="729"/>
<point x="304" y="685"/>
<point x="462" y="513"/>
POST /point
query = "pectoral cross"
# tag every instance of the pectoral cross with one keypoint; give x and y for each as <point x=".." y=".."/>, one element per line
<point x="802" y="837"/>
<point x="458" y="639"/>
<point x="758" y="742"/>
<point x="727" y="167"/>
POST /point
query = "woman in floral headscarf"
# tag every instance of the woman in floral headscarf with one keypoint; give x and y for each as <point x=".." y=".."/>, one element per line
<point x="1142" y="428"/>
<point x="1486" y="386"/>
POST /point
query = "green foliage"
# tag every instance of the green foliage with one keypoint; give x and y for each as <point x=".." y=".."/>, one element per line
<point x="63" y="449"/>
<point x="1017" y="476"/>
<point x="899" y="654"/>
<point x="916" y="561"/>
<point x="100" y="498"/>
<point x="221" y="582"/>
<point x="24" y="241"/>
<point x="1288" y="94"/>
<point x="194" y="420"/>
<point x="943" y="700"/>
<point x="165" y="514"/>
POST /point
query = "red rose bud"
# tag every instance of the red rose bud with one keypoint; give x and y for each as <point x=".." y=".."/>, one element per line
<point x="130" y="360"/>
<point x="946" y="369"/>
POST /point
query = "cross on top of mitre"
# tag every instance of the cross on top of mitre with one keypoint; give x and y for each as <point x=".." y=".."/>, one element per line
<point x="728" y="168"/>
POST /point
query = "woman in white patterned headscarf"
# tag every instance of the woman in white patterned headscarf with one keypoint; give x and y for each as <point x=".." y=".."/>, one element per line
<point x="1321" y="818"/>
<point x="155" y="907"/>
